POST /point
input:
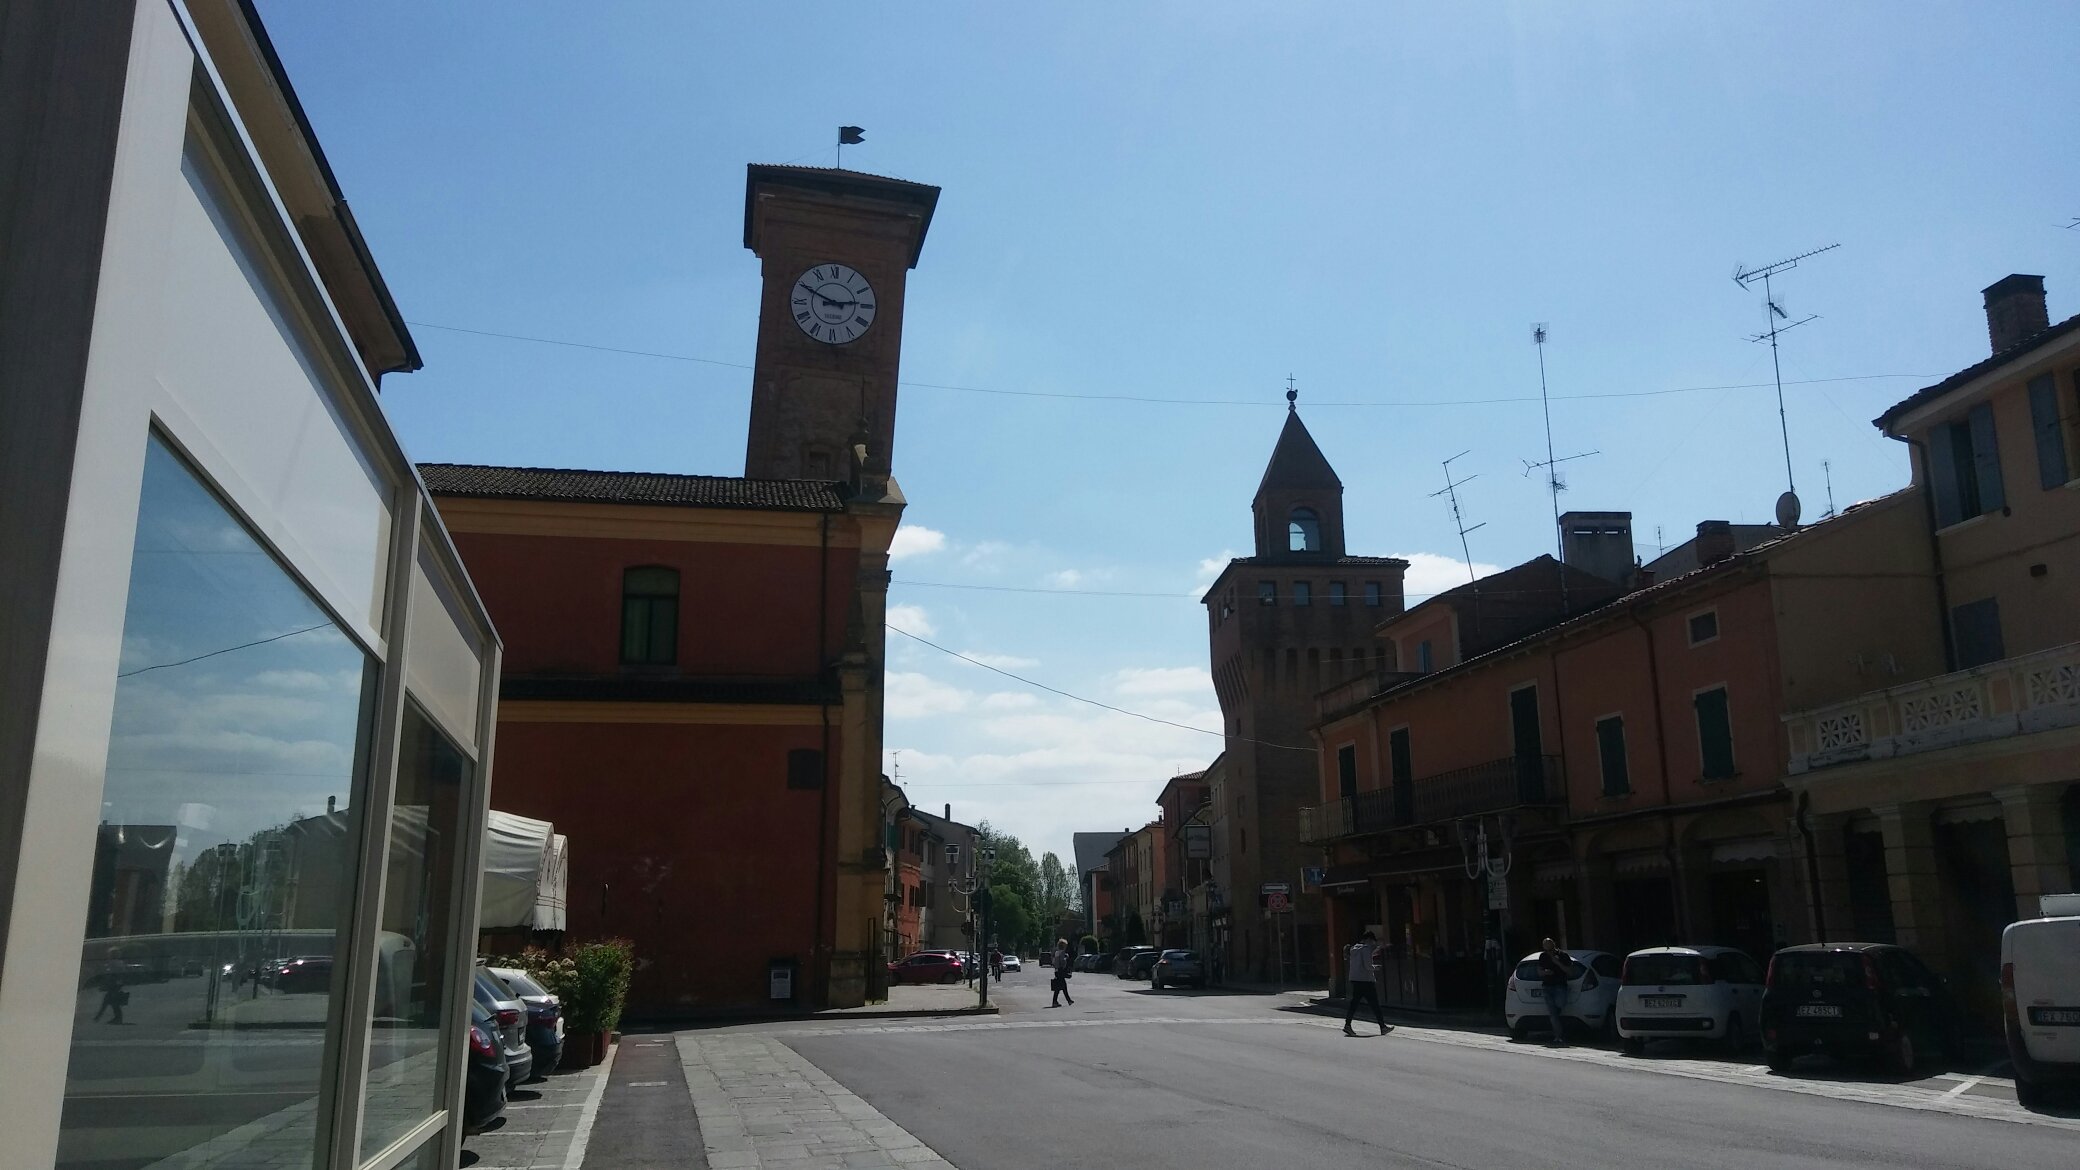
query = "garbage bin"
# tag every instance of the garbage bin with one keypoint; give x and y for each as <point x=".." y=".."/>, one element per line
<point x="780" y="978"/>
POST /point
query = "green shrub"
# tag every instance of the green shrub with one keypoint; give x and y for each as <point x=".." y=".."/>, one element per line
<point x="590" y="980"/>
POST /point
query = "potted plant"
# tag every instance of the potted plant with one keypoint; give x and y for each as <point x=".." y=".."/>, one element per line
<point x="596" y="988"/>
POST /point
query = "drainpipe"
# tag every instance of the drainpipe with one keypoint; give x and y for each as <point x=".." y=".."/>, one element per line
<point x="1668" y="819"/>
<point x="1805" y="832"/>
<point x="1935" y="555"/>
<point x="818" y="969"/>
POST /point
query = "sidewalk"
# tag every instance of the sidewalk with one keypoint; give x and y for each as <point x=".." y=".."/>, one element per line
<point x="917" y="999"/>
<point x="760" y="1105"/>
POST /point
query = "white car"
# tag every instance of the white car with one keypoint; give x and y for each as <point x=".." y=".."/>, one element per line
<point x="1589" y="994"/>
<point x="2040" y="997"/>
<point x="1695" y="993"/>
<point x="1011" y="962"/>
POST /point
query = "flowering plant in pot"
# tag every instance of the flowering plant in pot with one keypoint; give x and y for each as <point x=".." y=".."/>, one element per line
<point x="590" y="982"/>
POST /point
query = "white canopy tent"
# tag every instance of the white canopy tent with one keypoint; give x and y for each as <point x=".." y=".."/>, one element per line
<point x="525" y="874"/>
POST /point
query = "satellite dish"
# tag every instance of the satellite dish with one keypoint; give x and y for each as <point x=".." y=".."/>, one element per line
<point x="1787" y="510"/>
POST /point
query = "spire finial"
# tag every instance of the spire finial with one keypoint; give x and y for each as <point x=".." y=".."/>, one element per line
<point x="1292" y="395"/>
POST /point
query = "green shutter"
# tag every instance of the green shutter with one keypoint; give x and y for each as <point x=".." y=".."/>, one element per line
<point x="2050" y="434"/>
<point x="1610" y="743"/>
<point x="1986" y="458"/>
<point x="1714" y="735"/>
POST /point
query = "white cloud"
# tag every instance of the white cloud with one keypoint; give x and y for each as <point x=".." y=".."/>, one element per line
<point x="1162" y="680"/>
<point x="1065" y="578"/>
<point x="1211" y="567"/>
<point x="1001" y="661"/>
<point x="915" y="540"/>
<point x="1430" y="574"/>
<point x="915" y="696"/>
<point x="911" y="619"/>
<point x="987" y="555"/>
<point x="1009" y="701"/>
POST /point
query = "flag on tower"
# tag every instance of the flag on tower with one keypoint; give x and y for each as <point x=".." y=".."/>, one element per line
<point x="850" y="135"/>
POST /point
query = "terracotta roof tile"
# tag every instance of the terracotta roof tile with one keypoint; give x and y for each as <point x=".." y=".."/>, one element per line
<point x="567" y="485"/>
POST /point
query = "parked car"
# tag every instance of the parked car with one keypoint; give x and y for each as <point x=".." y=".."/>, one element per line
<point x="927" y="967"/>
<point x="509" y="1015"/>
<point x="1143" y="964"/>
<point x="2040" y="998"/>
<point x="544" y="1018"/>
<point x="306" y="973"/>
<point x="1094" y="961"/>
<point x="1011" y="962"/>
<point x="1174" y="967"/>
<point x="1123" y="959"/>
<point x="1693" y="993"/>
<point x="1855" y="999"/>
<point x="484" y="1087"/>
<point x="1590" y="994"/>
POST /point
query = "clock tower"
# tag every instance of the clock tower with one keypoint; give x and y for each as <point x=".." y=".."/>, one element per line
<point x="836" y="247"/>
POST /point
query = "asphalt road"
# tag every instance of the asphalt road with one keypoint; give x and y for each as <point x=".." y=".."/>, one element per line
<point x="1130" y="1077"/>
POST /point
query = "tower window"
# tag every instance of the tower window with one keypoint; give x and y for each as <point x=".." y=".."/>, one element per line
<point x="1267" y="593"/>
<point x="1336" y="590"/>
<point x="650" y="616"/>
<point x="1372" y="593"/>
<point x="1303" y="593"/>
<point x="1304" y="533"/>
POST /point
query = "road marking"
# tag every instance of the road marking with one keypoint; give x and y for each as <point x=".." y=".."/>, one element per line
<point x="575" y="1156"/>
<point x="1964" y="1086"/>
<point x="644" y="1084"/>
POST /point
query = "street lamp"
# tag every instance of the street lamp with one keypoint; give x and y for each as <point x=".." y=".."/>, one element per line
<point x="975" y="889"/>
<point x="1492" y="870"/>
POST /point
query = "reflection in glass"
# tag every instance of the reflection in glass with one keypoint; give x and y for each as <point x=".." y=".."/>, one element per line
<point x="413" y="959"/>
<point x="223" y="865"/>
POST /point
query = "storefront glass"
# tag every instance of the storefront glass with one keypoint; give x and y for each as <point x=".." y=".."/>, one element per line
<point x="413" y="956"/>
<point x="225" y="861"/>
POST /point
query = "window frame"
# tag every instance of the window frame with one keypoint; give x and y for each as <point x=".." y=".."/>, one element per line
<point x="1964" y="467"/>
<point x="1603" y="760"/>
<point x="650" y="600"/>
<point x="1690" y="626"/>
<point x="1339" y="594"/>
<point x="1267" y="593"/>
<point x="1304" y="523"/>
<point x="1374" y="595"/>
<point x="1704" y="772"/>
<point x="1303" y="594"/>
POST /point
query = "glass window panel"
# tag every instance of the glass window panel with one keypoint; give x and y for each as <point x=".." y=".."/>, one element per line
<point x="414" y="946"/>
<point x="224" y="863"/>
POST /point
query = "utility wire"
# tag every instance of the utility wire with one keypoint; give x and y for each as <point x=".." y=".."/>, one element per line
<point x="1093" y="702"/>
<point x="1315" y="599"/>
<point x="225" y="650"/>
<point x="1437" y="402"/>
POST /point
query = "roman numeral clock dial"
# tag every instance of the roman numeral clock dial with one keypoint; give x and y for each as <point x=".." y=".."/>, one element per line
<point x="832" y="303"/>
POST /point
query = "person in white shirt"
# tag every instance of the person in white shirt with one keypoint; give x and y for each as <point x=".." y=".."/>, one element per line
<point x="1363" y="968"/>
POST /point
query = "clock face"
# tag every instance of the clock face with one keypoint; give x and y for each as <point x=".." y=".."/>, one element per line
<point x="832" y="303"/>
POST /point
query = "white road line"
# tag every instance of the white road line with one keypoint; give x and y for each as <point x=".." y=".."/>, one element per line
<point x="644" y="1084"/>
<point x="575" y="1156"/>
<point x="1964" y="1086"/>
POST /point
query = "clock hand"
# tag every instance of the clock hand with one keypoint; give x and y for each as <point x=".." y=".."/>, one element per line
<point x="833" y="301"/>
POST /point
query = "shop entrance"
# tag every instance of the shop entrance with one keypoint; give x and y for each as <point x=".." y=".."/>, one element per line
<point x="1644" y="912"/>
<point x="1739" y="905"/>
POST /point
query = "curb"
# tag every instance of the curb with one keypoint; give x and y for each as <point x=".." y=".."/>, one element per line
<point x="899" y="1013"/>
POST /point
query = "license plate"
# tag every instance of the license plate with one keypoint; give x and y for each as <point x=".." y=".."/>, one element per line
<point x="1829" y="1011"/>
<point x="1661" y="1001"/>
<point x="2055" y="1017"/>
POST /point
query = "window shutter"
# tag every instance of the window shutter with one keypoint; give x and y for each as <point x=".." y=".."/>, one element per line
<point x="1714" y="735"/>
<point x="1347" y="771"/>
<point x="2051" y="439"/>
<point x="1986" y="459"/>
<point x="1942" y="476"/>
<point x="1610" y="743"/>
<point x="1977" y="628"/>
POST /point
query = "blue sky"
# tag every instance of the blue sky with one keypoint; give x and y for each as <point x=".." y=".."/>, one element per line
<point x="1192" y="201"/>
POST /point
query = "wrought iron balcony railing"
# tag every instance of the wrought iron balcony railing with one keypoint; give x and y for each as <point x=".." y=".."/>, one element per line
<point x="1511" y="782"/>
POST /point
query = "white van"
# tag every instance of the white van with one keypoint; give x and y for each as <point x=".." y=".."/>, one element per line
<point x="2040" y="996"/>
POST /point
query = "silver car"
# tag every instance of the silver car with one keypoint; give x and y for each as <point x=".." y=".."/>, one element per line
<point x="510" y="1014"/>
<point x="1176" y="967"/>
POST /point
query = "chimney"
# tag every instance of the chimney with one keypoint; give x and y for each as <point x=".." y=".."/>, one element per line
<point x="1714" y="541"/>
<point x="2015" y="310"/>
<point x="1598" y="543"/>
<point x="949" y="812"/>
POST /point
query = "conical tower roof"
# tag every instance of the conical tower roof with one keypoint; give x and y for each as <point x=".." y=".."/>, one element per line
<point x="1296" y="463"/>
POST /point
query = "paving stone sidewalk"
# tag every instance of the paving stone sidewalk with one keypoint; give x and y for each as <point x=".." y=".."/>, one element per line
<point x="760" y="1105"/>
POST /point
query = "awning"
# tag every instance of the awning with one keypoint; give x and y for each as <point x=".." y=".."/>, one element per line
<point x="1552" y="872"/>
<point x="525" y="874"/>
<point x="1745" y="849"/>
<point x="1639" y="861"/>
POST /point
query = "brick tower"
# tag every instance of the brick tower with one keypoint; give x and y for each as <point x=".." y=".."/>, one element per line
<point x="836" y="247"/>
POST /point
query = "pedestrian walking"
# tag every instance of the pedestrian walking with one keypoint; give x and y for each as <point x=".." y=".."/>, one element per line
<point x="996" y="963"/>
<point x="113" y="994"/>
<point x="1064" y="963"/>
<point x="1363" y="964"/>
<point x="1555" y="968"/>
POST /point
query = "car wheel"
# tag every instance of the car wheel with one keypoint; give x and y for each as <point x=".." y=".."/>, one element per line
<point x="1904" y="1058"/>
<point x="1633" y="1045"/>
<point x="2030" y="1094"/>
<point x="1155" y="984"/>
<point x="1780" y="1060"/>
<point x="1519" y="1030"/>
<point x="1736" y="1038"/>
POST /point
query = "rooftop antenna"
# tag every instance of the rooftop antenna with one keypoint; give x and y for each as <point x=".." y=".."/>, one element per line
<point x="897" y="756"/>
<point x="1451" y="492"/>
<point x="1659" y="541"/>
<point x="1551" y="466"/>
<point x="1827" y="471"/>
<point x="1787" y="504"/>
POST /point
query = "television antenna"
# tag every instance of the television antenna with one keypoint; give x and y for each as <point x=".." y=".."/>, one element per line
<point x="1827" y="470"/>
<point x="1772" y="314"/>
<point x="1551" y="466"/>
<point x="1451" y="492"/>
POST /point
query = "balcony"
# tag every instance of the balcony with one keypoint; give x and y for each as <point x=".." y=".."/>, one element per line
<point x="1490" y="787"/>
<point x="2015" y="696"/>
<point x="1346" y="697"/>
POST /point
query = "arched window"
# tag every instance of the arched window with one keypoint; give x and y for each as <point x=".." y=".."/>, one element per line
<point x="1304" y="534"/>
<point x="650" y="616"/>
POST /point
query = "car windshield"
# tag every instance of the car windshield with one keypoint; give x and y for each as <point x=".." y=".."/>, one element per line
<point x="1176" y="956"/>
<point x="1815" y="970"/>
<point x="1664" y="969"/>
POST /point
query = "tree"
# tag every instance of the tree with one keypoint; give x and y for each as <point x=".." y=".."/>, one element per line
<point x="1010" y="918"/>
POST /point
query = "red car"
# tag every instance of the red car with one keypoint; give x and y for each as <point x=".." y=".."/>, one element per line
<point x="927" y="967"/>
